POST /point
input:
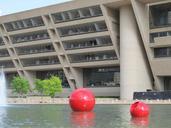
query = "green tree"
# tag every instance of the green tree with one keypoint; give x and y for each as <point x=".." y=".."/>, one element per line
<point x="39" y="86"/>
<point x="20" y="85"/>
<point x="49" y="86"/>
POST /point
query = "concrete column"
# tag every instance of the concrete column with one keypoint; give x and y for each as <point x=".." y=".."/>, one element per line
<point x="133" y="62"/>
<point x="78" y="73"/>
<point x="31" y="77"/>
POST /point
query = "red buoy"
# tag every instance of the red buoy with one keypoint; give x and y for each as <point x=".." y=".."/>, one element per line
<point x="139" y="109"/>
<point x="82" y="100"/>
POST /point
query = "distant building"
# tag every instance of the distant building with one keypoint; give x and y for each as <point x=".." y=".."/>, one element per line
<point x="113" y="47"/>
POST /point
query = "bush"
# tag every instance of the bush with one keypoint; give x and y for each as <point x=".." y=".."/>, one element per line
<point x="20" y="85"/>
<point x="49" y="86"/>
<point x="39" y="86"/>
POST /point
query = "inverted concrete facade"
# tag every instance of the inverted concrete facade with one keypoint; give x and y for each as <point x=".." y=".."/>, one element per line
<point x="113" y="47"/>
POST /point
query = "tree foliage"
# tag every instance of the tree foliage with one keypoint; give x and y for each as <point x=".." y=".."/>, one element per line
<point x="20" y="85"/>
<point x="39" y="86"/>
<point x="49" y="86"/>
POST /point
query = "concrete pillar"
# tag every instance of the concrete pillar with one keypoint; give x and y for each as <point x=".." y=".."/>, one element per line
<point x="78" y="73"/>
<point x="31" y="77"/>
<point x="133" y="62"/>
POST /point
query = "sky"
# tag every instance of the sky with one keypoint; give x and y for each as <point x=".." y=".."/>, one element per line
<point x="12" y="6"/>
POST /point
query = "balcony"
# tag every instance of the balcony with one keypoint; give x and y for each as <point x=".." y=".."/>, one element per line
<point x="7" y="64"/>
<point x="91" y="57"/>
<point x="82" y="29"/>
<point x="160" y="16"/>
<point x="162" y="52"/>
<point x="1" y="41"/>
<point x="24" y="24"/>
<point x="4" y="53"/>
<point x="40" y="61"/>
<point x="35" y="49"/>
<point x="77" y="14"/>
<point x="27" y="37"/>
<point x="159" y="34"/>
<point x="88" y="43"/>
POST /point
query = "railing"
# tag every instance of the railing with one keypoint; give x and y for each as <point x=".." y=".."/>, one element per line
<point x="24" y="24"/>
<point x="159" y="34"/>
<point x="82" y="29"/>
<point x="152" y="26"/>
<point x="102" y="84"/>
<point x="77" y="14"/>
<point x="91" y="58"/>
<point x="7" y="65"/>
<point x="162" y="52"/>
<point x="82" y="46"/>
<point x="30" y="37"/>
<point x="4" y="54"/>
<point x="152" y="95"/>
<point x="35" y="51"/>
<point x="97" y="42"/>
<point x="39" y="63"/>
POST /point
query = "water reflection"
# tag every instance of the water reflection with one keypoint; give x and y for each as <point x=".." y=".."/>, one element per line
<point x="82" y="119"/>
<point x="3" y="116"/>
<point x="140" y="122"/>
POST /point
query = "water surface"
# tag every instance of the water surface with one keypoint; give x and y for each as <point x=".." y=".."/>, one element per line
<point x="61" y="116"/>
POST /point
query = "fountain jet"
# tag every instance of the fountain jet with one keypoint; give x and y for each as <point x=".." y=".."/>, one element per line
<point x="3" y="97"/>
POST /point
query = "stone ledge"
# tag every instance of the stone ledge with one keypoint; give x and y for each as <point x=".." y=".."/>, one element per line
<point x="48" y="100"/>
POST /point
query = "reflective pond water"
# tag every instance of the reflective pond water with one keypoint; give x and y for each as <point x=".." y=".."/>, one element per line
<point x="61" y="116"/>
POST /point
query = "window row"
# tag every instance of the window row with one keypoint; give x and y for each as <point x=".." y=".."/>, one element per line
<point x="88" y="43"/>
<point x="90" y="57"/>
<point x="6" y="64"/>
<point x="35" y="49"/>
<point x="160" y="15"/>
<point x="4" y="53"/>
<point x="39" y="35"/>
<point x="101" y="77"/>
<point x="40" y="61"/>
<point x="162" y="52"/>
<point x="82" y="29"/>
<point x="158" y="34"/>
<point x="77" y="14"/>
<point x="25" y="23"/>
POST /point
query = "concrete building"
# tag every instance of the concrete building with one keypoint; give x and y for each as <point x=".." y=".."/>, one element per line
<point x="113" y="47"/>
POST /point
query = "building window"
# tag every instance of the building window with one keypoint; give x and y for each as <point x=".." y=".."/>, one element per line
<point x="77" y="14"/>
<point x="90" y="57"/>
<point x="167" y="83"/>
<point x="48" y="74"/>
<point x="9" y="78"/>
<point x="158" y="35"/>
<point x="102" y="77"/>
<point x="88" y="43"/>
<point x="24" y="24"/>
<point x="82" y="29"/>
<point x="160" y="15"/>
<point x="162" y="52"/>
